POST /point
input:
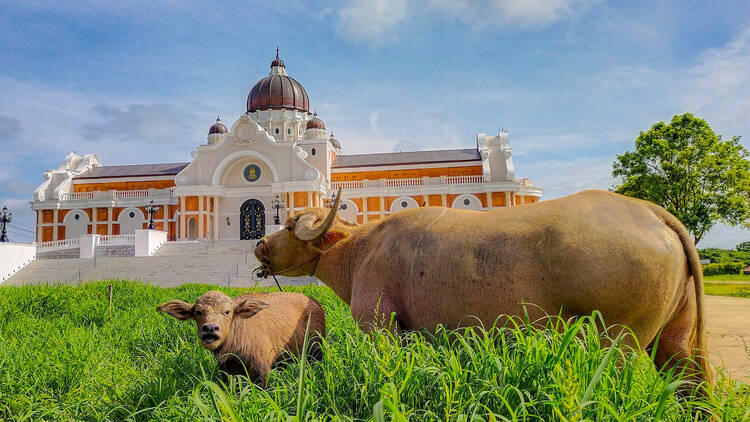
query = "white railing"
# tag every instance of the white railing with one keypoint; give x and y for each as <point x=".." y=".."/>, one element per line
<point x="404" y="182"/>
<point x="455" y="180"/>
<point x="115" y="240"/>
<point x="349" y="184"/>
<point x="58" y="245"/>
<point x="119" y="194"/>
<point x="77" y="195"/>
<point x="138" y="193"/>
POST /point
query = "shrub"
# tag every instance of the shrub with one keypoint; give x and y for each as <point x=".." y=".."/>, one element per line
<point x="723" y="268"/>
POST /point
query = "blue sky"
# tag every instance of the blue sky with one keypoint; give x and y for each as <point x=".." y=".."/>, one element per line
<point x="573" y="81"/>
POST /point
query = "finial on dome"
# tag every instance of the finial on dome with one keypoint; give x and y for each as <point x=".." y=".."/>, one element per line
<point x="277" y="61"/>
<point x="218" y="127"/>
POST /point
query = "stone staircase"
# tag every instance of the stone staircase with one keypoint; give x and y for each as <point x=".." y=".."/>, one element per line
<point x="227" y="263"/>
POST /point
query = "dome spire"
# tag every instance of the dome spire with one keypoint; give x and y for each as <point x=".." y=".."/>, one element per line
<point x="277" y="62"/>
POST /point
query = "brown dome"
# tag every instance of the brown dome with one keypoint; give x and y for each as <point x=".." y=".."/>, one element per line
<point x="315" y="123"/>
<point x="277" y="91"/>
<point x="217" y="127"/>
<point x="277" y="61"/>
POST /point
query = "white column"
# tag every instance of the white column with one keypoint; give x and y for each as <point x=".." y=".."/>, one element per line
<point x="523" y="199"/>
<point x="309" y="199"/>
<point x="426" y="200"/>
<point x="165" y="211"/>
<point x="181" y="230"/>
<point x="382" y="207"/>
<point x="215" y="233"/>
<point x="109" y="220"/>
<point x="507" y="200"/>
<point x="489" y="200"/>
<point x="200" y="216"/>
<point x="54" y="224"/>
<point x="39" y="225"/>
<point x="364" y="209"/>
<point x="93" y="221"/>
<point x="444" y="198"/>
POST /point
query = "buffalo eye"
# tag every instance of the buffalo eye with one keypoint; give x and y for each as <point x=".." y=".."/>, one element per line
<point x="198" y="312"/>
<point x="288" y="228"/>
<point x="226" y="312"/>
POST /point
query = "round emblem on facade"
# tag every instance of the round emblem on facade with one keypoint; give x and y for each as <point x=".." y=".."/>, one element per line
<point x="251" y="173"/>
<point x="77" y="216"/>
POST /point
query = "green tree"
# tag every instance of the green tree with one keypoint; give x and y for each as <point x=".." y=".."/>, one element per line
<point x="689" y="170"/>
<point x="744" y="246"/>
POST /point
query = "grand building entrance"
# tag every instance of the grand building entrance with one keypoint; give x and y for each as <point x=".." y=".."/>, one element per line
<point x="252" y="220"/>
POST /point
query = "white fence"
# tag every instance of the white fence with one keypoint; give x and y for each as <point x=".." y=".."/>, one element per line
<point x="349" y="184"/>
<point x="404" y="182"/>
<point x="58" y="245"/>
<point x="115" y="240"/>
<point x="454" y="180"/>
<point x="119" y="194"/>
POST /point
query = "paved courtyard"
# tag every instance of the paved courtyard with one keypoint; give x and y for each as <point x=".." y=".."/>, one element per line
<point x="728" y="321"/>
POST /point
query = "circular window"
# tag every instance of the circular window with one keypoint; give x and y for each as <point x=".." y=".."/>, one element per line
<point x="132" y="214"/>
<point x="251" y="173"/>
<point x="466" y="201"/>
<point x="404" y="204"/>
<point x="77" y="217"/>
<point x="277" y="131"/>
<point x="313" y="151"/>
<point x="343" y="206"/>
<point x="289" y="131"/>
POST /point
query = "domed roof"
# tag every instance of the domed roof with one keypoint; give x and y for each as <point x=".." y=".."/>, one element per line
<point x="217" y="127"/>
<point x="335" y="142"/>
<point x="315" y="123"/>
<point x="278" y="91"/>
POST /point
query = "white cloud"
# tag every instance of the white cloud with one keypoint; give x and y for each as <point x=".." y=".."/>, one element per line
<point x="378" y="21"/>
<point x="718" y="86"/>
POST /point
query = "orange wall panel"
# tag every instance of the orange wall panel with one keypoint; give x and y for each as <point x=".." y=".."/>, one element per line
<point x="357" y="201"/>
<point x="450" y="199"/>
<point x="61" y="232"/>
<point x="373" y="217"/>
<point x="498" y="199"/>
<point x="106" y="186"/>
<point x="191" y="203"/>
<point x="61" y="215"/>
<point x="435" y="201"/>
<point x="101" y="229"/>
<point x="300" y="199"/>
<point x="46" y="234"/>
<point x="373" y="203"/>
<point x="102" y="214"/>
<point x="48" y="216"/>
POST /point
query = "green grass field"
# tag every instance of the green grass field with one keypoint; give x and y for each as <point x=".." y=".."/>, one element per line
<point x="726" y="289"/>
<point x="64" y="358"/>
<point x="727" y="277"/>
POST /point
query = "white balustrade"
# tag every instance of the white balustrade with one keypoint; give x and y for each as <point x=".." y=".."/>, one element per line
<point x="404" y="182"/>
<point x="72" y="196"/>
<point x="58" y="245"/>
<point x="115" y="240"/>
<point x="137" y="193"/>
<point x="455" y="180"/>
<point x="348" y="184"/>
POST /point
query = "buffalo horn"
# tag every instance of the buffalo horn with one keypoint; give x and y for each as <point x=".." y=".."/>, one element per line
<point x="305" y="229"/>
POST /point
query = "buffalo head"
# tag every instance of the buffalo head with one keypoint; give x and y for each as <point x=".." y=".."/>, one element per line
<point x="213" y="312"/>
<point x="294" y="250"/>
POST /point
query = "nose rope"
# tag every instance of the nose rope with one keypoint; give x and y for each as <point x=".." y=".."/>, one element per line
<point x="265" y="274"/>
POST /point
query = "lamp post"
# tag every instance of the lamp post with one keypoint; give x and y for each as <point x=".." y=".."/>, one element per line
<point x="151" y="210"/>
<point x="5" y="218"/>
<point x="277" y="203"/>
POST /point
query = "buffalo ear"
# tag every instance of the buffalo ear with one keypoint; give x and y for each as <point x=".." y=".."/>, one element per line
<point x="178" y="309"/>
<point x="249" y="307"/>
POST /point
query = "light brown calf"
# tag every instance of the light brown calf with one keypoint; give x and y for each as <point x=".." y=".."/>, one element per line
<point x="251" y="331"/>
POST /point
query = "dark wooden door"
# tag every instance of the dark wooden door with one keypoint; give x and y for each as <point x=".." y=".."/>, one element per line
<point x="252" y="220"/>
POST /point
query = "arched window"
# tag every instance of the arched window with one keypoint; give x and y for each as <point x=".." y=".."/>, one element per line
<point x="403" y="203"/>
<point x="467" y="202"/>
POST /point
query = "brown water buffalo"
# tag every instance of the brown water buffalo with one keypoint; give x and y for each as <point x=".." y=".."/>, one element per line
<point x="252" y="331"/>
<point x="594" y="250"/>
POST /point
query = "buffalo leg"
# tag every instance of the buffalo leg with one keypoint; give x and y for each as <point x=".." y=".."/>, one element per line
<point x="371" y="314"/>
<point x="675" y="344"/>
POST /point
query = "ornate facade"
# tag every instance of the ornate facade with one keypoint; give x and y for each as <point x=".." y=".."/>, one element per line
<point x="278" y="148"/>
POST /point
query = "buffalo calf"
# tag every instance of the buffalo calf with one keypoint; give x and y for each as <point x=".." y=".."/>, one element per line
<point x="250" y="332"/>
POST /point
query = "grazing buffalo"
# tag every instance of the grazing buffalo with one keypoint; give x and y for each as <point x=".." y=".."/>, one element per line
<point x="251" y="331"/>
<point x="594" y="250"/>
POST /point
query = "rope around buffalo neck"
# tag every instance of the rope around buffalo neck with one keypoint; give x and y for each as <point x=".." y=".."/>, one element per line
<point x="312" y="274"/>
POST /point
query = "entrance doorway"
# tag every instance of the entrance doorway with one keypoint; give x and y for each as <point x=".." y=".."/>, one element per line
<point x="252" y="220"/>
<point x="192" y="227"/>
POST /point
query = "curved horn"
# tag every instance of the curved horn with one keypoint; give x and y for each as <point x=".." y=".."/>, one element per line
<point x="305" y="230"/>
